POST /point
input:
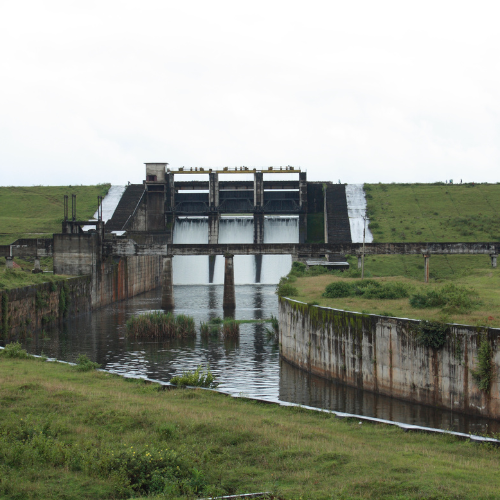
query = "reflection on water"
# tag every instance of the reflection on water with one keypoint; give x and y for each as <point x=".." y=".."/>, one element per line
<point x="249" y="366"/>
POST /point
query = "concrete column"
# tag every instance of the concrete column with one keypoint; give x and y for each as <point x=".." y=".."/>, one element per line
<point x="303" y="191"/>
<point x="426" y="267"/>
<point x="169" y="227"/>
<point x="258" y="190"/>
<point x="9" y="262"/>
<point x="302" y="227"/>
<point x="211" y="268"/>
<point x="258" y="228"/>
<point x="258" y="268"/>
<point x="360" y="261"/>
<point x="493" y="260"/>
<point x="170" y="193"/>
<point x="213" y="228"/>
<point x="229" y="302"/>
<point x="167" y="284"/>
<point x="213" y="190"/>
<point x="37" y="269"/>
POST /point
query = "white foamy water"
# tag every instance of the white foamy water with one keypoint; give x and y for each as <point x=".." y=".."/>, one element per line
<point x="190" y="270"/>
<point x="356" y="208"/>
<point x="109" y="204"/>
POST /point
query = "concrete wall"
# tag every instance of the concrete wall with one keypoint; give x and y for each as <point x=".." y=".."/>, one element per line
<point x="112" y="278"/>
<point x="383" y="355"/>
<point x="119" y="278"/>
<point x="24" y="310"/>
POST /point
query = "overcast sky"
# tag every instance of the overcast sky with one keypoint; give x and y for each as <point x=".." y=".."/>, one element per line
<point x="361" y="91"/>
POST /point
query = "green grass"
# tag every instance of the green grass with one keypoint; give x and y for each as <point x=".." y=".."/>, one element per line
<point x="18" y="278"/>
<point x="73" y="435"/>
<point x="430" y="212"/>
<point x="37" y="212"/>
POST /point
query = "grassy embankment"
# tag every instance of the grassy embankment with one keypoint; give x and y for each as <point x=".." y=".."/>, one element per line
<point x="70" y="434"/>
<point x="37" y="212"/>
<point x="419" y="212"/>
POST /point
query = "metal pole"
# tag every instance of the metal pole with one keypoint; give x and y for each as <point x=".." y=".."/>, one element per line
<point x="363" y="254"/>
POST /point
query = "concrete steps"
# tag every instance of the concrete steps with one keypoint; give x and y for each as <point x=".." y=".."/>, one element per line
<point x="339" y="229"/>
<point x="125" y="208"/>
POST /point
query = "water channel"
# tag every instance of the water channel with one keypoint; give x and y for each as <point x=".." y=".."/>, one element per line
<point x="250" y="366"/>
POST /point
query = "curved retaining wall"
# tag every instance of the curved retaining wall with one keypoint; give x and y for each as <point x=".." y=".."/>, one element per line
<point x="382" y="354"/>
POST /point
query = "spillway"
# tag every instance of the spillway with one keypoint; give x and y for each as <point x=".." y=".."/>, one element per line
<point x="194" y="270"/>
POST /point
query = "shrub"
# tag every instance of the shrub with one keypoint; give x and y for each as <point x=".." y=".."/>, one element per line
<point x="198" y="378"/>
<point x="483" y="374"/>
<point x="450" y="297"/>
<point x="286" y="289"/>
<point x="14" y="350"/>
<point x="432" y="334"/>
<point x="337" y="290"/>
<point x="84" y="364"/>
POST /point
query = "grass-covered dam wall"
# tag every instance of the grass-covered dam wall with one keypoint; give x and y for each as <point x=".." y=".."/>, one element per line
<point x="445" y="365"/>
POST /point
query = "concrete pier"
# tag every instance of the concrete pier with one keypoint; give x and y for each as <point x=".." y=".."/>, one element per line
<point x="213" y="228"/>
<point x="229" y="302"/>
<point x="303" y="207"/>
<point x="211" y="268"/>
<point x="37" y="268"/>
<point x="258" y="190"/>
<point x="426" y="267"/>
<point x="9" y="262"/>
<point x="213" y="191"/>
<point x="258" y="268"/>
<point x="258" y="228"/>
<point x="494" y="260"/>
<point x="167" y="284"/>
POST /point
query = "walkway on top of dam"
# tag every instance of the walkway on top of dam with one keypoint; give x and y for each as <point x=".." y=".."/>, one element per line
<point x="128" y="247"/>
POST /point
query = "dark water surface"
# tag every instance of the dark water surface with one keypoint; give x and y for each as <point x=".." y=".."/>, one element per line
<point x="248" y="367"/>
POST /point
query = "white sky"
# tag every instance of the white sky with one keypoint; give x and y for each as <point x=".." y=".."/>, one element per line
<point x="361" y="91"/>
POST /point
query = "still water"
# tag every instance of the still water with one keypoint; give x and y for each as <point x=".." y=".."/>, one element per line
<point x="247" y="367"/>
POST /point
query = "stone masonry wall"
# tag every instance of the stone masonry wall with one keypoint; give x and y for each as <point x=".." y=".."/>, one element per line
<point x="383" y="355"/>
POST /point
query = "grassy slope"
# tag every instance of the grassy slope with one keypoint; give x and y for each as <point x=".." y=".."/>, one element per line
<point x="486" y="283"/>
<point x="37" y="212"/>
<point x="51" y="414"/>
<point x="427" y="212"/>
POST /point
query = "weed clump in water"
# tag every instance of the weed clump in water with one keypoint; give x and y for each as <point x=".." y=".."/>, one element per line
<point x="201" y="377"/>
<point x="230" y="329"/>
<point x="161" y="325"/>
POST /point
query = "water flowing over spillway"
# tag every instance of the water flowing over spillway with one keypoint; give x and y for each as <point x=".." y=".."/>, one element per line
<point x="356" y="208"/>
<point x="191" y="270"/>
